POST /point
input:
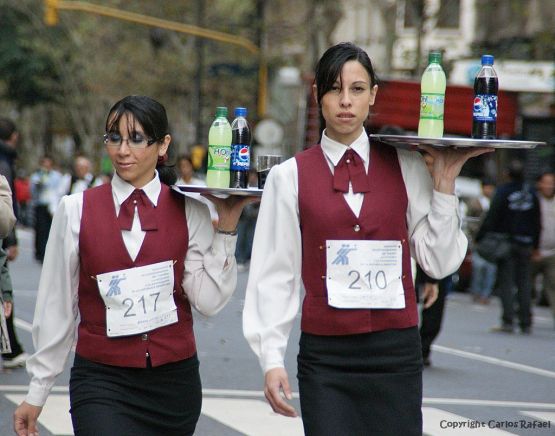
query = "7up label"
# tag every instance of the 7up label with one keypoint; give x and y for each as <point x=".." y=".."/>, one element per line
<point x="218" y="157"/>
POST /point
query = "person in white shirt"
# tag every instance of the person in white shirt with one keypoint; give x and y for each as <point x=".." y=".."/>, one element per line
<point x="124" y="263"/>
<point x="340" y="221"/>
<point x="187" y="176"/>
<point x="81" y="178"/>
<point x="543" y="259"/>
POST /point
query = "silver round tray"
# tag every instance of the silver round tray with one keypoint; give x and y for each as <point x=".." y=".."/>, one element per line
<point x="412" y="142"/>
<point x="248" y="192"/>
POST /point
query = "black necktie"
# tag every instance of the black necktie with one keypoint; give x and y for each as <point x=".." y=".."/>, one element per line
<point x="350" y="168"/>
<point x="146" y="210"/>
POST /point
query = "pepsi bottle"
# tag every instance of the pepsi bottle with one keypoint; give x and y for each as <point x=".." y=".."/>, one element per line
<point x="484" y="114"/>
<point x="240" y="150"/>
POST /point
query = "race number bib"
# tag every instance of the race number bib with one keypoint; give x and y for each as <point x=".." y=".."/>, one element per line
<point x="364" y="274"/>
<point x="138" y="299"/>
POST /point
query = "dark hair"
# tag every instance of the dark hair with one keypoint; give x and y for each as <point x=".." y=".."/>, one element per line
<point x="7" y="128"/>
<point x="329" y="67"/>
<point x="151" y="115"/>
<point x="515" y="170"/>
<point x="544" y="172"/>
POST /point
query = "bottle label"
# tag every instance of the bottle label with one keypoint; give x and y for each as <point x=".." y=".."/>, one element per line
<point x="240" y="157"/>
<point x="485" y="107"/>
<point x="431" y="106"/>
<point x="218" y="157"/>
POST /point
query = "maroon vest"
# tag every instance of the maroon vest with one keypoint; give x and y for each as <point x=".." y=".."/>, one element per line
<point x="324" y="214"/>
<point x="101" y="250"/>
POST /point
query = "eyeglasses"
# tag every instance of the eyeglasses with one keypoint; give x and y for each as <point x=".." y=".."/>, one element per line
<point x="135" y="141"/>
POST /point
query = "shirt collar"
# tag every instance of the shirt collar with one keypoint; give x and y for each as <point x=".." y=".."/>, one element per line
<point x="335" y="150"/>
<point x="123" y="190"/>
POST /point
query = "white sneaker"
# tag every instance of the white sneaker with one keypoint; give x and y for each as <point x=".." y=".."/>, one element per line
<point x="17" y="362"/>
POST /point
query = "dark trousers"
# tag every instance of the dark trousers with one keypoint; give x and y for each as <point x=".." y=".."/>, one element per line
<point x="43" y="221"/>
<point x="14" y="342"/>
<point x="432" y="317"/>
<point x="515" y="272"/>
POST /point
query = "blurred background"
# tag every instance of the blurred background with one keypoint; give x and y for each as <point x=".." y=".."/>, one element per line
<point x="64" y="63"/>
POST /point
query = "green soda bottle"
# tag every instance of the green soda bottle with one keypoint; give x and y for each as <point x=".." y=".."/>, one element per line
<point x="219" y="150"/>
<point x="432" y="98"/>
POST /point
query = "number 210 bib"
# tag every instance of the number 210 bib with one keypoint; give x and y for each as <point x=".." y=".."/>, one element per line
<point x="364" y="274"/>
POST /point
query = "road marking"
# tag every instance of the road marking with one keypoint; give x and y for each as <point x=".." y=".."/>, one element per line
<point x="254" y="416"/>
<point x="251" y="417"/>
<point x="494" y="361"/>
<point x="488" y="403"/>
<point x="544" y="416"/>
<point x="22" y="324"/>
<point x="440" y="422"/>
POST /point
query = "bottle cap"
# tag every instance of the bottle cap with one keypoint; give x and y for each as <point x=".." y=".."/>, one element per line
<point x="240" y="111"/>
<point x="487" y="60"/>
<point x="434" y="57"/>
<point x="221" y="111"/>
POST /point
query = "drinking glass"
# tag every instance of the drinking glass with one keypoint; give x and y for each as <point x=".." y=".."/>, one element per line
<point x="263" y="165"/>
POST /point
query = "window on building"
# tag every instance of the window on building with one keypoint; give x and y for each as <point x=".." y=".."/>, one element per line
<point x="411" y="13"/>
<point x="449" y="14"/>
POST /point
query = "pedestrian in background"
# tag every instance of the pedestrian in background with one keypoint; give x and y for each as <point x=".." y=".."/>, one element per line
<point x="187" y="176"/>
<point x="9" y="140"/>
<point x="359" y="368"/>
<point x="80" y="178"/>
<point x="6" y="306"/>
<point x="7" y="221"/>
<point x="484" y="273"/>
<point x="245" y="229"/>
<point x="23" y="198"/>
<point x="543" y="260"/>
<point x="131" y="374"/>
<point x="515" y="211"/>
<point x="46" y="183"/>
<point x="434" y="295"/>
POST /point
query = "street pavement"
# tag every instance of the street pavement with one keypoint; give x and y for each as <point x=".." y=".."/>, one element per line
<point x="480" y="383"/>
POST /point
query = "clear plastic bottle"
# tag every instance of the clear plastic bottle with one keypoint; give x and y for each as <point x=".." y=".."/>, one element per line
<point x="219" y="150"/>
<point x="484" y="113"/>
<point x="240" y="150"/>
<point x="432" y="98"/>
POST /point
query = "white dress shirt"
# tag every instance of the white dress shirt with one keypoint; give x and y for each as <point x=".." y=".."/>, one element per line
<point x="209" y="280"/>
<point x="274" y="287"/>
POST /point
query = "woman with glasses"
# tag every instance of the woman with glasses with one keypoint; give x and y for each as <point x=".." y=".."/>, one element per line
<point x="341" y="220"/>
<point x="124" y="264"/>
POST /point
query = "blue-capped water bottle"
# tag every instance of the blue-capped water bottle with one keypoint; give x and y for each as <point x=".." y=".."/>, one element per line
<point x="240" y="150"/>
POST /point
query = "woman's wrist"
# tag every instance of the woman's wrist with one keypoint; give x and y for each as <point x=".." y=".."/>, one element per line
<point x="226" y="232"/>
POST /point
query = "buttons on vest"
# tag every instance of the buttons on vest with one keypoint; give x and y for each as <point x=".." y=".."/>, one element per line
<point x="321" y="247"/>
<point x="323" y="277"/>
<point x="144" y="337"/>
<point x="348" y="161"/>
<point x="356" y="228"/>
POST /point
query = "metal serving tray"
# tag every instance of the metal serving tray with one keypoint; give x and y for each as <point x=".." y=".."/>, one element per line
<point x="248" y="192"/>
<point x="412" y="142"/>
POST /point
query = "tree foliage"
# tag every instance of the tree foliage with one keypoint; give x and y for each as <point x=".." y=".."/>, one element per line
<point x="27" y="71"/>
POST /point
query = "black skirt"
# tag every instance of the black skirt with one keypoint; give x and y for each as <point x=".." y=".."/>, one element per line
<point x="109" y="400"/>
<point x="366" y="384"/>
